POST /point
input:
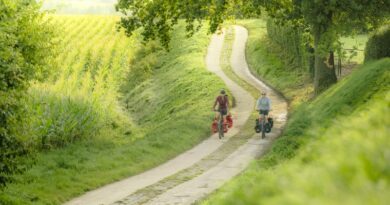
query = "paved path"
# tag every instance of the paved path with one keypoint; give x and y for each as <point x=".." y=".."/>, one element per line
<point x="161" y="185"/>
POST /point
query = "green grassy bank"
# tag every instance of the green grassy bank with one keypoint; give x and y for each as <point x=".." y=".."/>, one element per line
<point x="334" y="149"/>
<point x="138" y="104"/>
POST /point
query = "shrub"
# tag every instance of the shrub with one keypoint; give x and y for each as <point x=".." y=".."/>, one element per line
<point x="25" y="50"/>
<point x="378" y="45"/>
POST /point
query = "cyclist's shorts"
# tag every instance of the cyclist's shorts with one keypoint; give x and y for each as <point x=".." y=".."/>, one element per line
<point x="265" y="112"/>
<point x="222" y="111"/>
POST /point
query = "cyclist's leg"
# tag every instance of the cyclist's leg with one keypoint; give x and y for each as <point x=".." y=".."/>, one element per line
<point x="261" y="112"/>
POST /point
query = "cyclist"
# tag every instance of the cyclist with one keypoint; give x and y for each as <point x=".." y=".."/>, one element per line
<point x="223" y="103"/>
<point x="263" y="105"/>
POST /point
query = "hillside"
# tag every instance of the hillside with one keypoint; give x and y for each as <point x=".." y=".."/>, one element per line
<point x="112" y="109"/>
<point x="333" y="149"/>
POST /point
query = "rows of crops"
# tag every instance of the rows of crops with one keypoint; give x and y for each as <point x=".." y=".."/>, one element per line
<point x="80" y="96"/>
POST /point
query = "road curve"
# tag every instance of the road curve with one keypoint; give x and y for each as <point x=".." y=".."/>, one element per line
<point x="198" y="187"/>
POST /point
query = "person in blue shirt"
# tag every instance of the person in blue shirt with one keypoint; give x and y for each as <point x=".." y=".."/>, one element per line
<point x="263" y="105"/>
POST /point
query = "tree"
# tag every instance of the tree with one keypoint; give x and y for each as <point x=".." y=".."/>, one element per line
<point x="326" y="19"/>
<point x="25" y="51"/>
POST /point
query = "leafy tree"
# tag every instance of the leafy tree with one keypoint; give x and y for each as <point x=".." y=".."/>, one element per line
<point x="25" y="51"/>
<point x="326" y="19"/>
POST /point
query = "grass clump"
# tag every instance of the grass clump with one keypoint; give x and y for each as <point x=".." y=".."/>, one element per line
<point x="334" y="149"/>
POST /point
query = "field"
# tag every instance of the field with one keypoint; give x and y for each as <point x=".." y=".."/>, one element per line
<point x="114" y="108"/>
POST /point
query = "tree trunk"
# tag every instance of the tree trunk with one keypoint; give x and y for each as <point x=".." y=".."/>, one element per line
<point x="324" y="75"/>
<point x="311" y="60"/>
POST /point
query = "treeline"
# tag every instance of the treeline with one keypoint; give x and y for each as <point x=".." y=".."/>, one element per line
<point x="295" y="46"/>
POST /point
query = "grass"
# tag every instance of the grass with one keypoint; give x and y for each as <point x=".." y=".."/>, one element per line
<point x="334" y="149"/>
<point x="145" y="123"/>
<point x="357" y="43"/>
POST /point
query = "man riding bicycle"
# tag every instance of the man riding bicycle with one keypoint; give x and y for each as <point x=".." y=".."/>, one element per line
<point x="223" y="105"/>
<point x="263" y="105"/>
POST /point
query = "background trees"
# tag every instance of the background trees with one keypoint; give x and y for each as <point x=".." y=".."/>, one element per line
<point x="25" y="52"/>
<point x="327" y="20"/>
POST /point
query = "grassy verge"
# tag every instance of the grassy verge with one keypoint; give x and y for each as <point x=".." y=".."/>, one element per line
<point x="170" y="107"/>
<point x="334" y="149"/>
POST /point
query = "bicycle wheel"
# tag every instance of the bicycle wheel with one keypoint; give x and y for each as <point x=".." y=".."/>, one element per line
<point x="263" y="127"/>
<point x="220" y="128"/>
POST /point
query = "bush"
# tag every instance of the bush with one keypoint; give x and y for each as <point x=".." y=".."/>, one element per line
<point x="378" y="45"/>
<point x="25" y="50"/>
<point x="56" y="120"/>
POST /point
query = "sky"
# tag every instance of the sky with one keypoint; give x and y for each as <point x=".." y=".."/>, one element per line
<point x="80" y="6"/>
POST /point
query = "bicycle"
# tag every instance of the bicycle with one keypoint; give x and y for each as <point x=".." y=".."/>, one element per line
<point x="263" y="126"/>
<point x="220" y="126"/>
<point x="221" y="132"/>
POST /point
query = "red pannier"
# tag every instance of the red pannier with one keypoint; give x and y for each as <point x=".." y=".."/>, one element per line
<point x="226" y="125"/>
<point x="214" y="126"/>
<point x="229" y="120"/>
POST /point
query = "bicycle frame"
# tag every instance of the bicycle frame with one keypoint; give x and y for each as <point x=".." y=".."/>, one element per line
<point x="220" y="126"/>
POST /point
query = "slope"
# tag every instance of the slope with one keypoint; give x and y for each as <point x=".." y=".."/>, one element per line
<point x="334" y="149"/>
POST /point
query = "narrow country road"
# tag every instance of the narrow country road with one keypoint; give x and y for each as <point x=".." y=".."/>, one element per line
<point x="198" y="172"/>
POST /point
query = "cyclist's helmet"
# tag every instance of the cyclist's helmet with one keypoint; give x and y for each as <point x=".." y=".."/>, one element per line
<point x="223" y="92"/>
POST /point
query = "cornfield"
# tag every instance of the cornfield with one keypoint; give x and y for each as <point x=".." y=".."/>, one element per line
<point x="80" y="97"/>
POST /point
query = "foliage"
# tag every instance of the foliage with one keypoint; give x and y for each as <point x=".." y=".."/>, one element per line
<point x="378" y="45"/>
<point x="26" y="47"/>
<point x="327" y="21"/>
<point x="157" y="18"/>
<point x="333" y="151"/>
<point x="296" y="44"/>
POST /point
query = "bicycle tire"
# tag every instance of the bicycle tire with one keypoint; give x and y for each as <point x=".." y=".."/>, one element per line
<point x="262" y="126"/>
<point x="220" y="128"/>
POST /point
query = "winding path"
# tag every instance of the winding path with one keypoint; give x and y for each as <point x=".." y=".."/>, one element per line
<point x="201" y="170"/>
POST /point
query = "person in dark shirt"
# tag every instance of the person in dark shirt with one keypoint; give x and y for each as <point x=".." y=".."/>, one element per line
<point x="223" y="104"/>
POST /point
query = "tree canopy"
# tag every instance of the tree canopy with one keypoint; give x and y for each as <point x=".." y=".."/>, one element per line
<point x="327" y="20"/>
